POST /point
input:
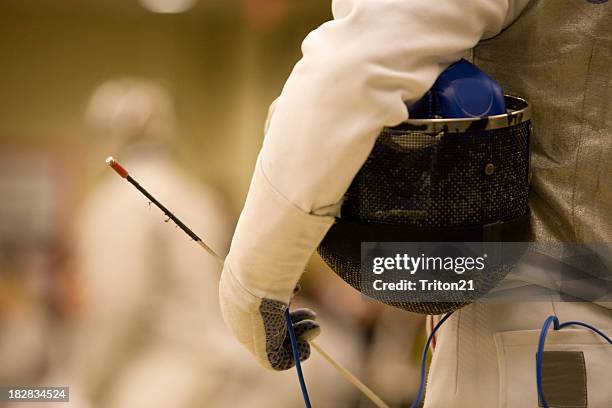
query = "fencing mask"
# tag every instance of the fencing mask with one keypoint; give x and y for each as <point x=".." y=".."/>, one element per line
<point x="456" y="171"/>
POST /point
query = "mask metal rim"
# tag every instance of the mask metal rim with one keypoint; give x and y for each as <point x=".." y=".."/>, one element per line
<point x="519" y="112"/>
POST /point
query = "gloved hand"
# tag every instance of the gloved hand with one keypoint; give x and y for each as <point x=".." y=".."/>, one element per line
<point x="260" y="324"/>
<point x="271" y="246"/>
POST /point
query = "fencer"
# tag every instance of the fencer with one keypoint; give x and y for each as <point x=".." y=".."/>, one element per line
<point x="138" y="281"/>
<point x="356" y="76"/>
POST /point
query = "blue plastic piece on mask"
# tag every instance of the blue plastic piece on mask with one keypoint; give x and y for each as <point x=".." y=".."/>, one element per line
<point x="461" y="91"/>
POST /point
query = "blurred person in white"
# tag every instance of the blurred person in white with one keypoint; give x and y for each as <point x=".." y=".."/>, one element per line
<point x="151" y="333"/>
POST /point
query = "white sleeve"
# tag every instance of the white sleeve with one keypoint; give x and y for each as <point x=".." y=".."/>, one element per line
<point x="356" y="72"/>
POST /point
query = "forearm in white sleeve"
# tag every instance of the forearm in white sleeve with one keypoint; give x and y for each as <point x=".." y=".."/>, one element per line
<point x="355" y="76"/>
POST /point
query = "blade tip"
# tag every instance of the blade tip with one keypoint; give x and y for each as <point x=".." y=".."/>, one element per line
<point x="114" y="164"/>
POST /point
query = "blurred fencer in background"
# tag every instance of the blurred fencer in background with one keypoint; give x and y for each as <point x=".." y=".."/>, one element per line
<point x="150" y="332"/>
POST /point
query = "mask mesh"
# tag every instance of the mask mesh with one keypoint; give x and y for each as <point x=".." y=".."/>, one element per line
<point x="435" y="182"/>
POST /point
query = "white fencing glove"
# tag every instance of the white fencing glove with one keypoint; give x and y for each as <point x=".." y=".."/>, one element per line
<point x="253" y="295"/>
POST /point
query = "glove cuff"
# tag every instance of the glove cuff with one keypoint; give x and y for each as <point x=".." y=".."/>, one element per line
<point x="240" y="310"/>
<point x="273" y="241"/>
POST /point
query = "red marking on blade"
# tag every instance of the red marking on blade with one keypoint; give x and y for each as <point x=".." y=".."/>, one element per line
<point x="117" y="167"/>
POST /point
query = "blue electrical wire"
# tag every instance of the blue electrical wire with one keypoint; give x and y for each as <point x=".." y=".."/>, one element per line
<point x="588" y="326"/>
<point x="540" y="353"/>
<point x="296" y="358"/>
<point x="298" y="366"/>
<point x="540" y="356"/>
<point x="419" y="396"/>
